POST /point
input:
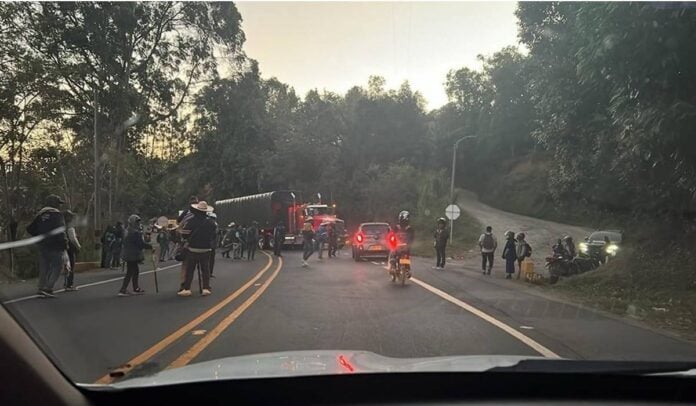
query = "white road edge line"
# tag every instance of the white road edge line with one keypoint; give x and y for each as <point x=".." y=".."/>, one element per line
<point x="471" y="309"/>
<point x="21" y="299"/>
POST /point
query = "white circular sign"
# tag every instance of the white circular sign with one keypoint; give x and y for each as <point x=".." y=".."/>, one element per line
<point x="452" y="212"/>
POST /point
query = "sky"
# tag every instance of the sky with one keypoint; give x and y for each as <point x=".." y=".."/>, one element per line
<point x="334" y="46"/>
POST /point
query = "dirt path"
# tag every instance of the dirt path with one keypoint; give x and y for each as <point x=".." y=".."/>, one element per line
<point x="541" y="234"/>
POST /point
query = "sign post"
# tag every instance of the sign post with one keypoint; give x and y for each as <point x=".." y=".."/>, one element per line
<point x="452" y="212"/>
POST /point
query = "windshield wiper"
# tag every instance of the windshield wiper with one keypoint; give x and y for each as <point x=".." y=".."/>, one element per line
<point x="599" y="367"/>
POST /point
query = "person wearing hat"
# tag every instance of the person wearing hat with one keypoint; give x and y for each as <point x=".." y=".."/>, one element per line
<point x="133" y="246"/>
<point x="199" y="233"/>
<point x="441" y="235"/>
<point x="228" y="240"/>
<point x="50" y="224"/>
<point x="73" y="248"/>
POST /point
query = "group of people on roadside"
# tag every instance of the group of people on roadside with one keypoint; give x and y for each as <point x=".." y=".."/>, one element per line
<point x="314" y="241"/>
<point x="515" y="251"/>
<point x="239" y="239"/>
<point x="111" y="245"/>
<point x="58" y="245"/>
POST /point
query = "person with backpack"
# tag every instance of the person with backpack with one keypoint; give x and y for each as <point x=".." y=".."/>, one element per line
<point x="441" y="235"/>
<point x="509" y="254"/>
<point x="73" y="248"/>
<point x="524" y="250"/>
<point x="488" y="244"/>
<point x="50" y="224"/>
<point x="252" y="235"/>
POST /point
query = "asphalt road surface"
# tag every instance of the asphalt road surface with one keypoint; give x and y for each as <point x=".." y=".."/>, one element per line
<point x="268" y="305"/>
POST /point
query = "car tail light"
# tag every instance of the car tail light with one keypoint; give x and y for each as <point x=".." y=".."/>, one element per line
<point x="393" y="242"/>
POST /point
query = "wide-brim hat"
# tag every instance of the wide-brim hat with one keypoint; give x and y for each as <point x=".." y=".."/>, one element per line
<point x="202" y="206"/>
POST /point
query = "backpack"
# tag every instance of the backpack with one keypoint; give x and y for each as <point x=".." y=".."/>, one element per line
<point x="488" y="242"/>
<point x="529" y="250"/>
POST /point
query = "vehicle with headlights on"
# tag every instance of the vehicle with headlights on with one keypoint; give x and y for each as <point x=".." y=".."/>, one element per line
<point x="601" y="245"/>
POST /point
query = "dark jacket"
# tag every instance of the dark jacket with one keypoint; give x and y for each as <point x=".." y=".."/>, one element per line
<point x="133" y="246"/>
<point x="47" y="220"/>
<point x="279" y="232"/>
<point x="252" y="234"/>
<point x="307" y="236"/>
<point x="441" y="236"/>
<point x="510" y="251"/>
<point x="199" y="231"/>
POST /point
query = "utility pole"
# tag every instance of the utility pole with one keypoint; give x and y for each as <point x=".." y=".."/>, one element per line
<point x="96" y="169"/>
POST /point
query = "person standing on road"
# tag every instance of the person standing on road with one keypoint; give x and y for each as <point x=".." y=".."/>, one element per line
<point x="117" y="245"/>
<point x="252" y="235"/>
<point x="73" y="248"/>
<point x="488" y="244"/>
<point x="199" y="232"/>
<point x="333" y="240"/>
<point x="308" y="243"/>
<point x="50" y="224"/>
<point x="107" y="239"/>
<point x="320" y="239"/>
<point x="278" y="239"/>
<point x="228" y="240"/>
<point x="524" y="250"/>
<point x="441" y="235"/>
<point x="509" y="254"/>
<point x="213" y="243"/>
<point x="163" y="241"/>
<point x="133" y="246"/>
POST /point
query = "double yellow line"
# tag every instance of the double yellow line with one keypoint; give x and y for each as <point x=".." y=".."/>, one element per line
<point x="207" y="339"/>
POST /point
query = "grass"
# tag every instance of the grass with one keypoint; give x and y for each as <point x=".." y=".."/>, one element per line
<point x="465" y="236"/>
<point x="654" y="287"/>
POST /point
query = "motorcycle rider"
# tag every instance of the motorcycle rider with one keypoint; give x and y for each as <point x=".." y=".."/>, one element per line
<point x="405" y="235"/>
<point x="559" y="250"/>
<point x="569" y="246"/>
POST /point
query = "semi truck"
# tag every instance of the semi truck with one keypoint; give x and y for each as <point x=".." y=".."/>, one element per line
<point x="270" y="208"/>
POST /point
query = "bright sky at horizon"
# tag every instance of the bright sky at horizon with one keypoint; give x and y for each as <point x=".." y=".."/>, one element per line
<point x="334" y="46"/>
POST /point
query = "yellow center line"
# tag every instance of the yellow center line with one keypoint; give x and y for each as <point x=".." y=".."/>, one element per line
<point x="164" y="343"/>
<point x="204" y="342"/>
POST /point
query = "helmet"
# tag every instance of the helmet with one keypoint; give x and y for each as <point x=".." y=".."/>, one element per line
<point x="404" y="217"/>
<point x="509" y="234"/>
<point x="521" y="236"/>
<point x="133" y="219"/>
<point x="442" y="220"/>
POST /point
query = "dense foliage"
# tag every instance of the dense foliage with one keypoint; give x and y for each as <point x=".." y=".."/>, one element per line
<point x="602" y="95"/>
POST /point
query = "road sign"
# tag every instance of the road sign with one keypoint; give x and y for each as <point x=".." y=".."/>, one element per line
<point x="452" y="212"/>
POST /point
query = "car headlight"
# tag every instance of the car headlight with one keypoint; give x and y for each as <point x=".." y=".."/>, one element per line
<point x="583" y="248"/>
<point x="612" y="248"/>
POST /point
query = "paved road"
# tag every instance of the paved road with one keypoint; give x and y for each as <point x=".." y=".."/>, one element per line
<point x="268" y="306"/>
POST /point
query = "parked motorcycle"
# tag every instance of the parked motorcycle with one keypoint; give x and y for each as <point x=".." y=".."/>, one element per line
<point x="563" y="266"/>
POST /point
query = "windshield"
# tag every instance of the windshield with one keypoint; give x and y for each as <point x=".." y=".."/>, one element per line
<point x="165" y="169"/>
<point x="372" y="229"/>
<point x="599" y="236"/>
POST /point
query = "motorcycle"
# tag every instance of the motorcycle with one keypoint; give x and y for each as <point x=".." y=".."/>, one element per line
<point x="399" y="261"/>
<point x="559" y="265"/>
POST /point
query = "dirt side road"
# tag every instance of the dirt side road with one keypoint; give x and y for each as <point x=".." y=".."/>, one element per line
<point x="541" y="234"/>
